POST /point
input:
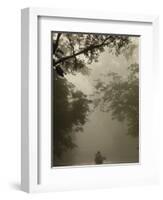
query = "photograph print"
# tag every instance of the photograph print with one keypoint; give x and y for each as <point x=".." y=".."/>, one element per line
<point x="95" y="99"/>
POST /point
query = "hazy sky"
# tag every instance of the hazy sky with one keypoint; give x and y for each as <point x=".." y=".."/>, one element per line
<point x="107" y="63"/>
<point x="101" y="132"/>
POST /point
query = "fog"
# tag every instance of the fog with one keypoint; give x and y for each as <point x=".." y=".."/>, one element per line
<point x="101" y="132"/>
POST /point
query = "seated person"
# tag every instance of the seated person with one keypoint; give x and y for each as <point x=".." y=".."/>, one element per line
<point x="99" y="158"/>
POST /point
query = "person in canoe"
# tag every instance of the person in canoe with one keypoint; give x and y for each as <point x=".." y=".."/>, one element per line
<point x="99" y="159"/>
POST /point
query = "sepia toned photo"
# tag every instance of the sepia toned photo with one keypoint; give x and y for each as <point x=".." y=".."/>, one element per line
<point x="95" y="99"/>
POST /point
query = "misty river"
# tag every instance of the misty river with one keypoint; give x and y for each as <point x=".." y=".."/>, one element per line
<point x="101" y="132"/>
<point x="107" y="136"/>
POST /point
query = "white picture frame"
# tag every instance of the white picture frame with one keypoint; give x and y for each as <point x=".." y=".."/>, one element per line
<point x="36" y="175"/>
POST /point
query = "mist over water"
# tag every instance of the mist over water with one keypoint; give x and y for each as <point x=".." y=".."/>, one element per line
<point x="101" y="132"/>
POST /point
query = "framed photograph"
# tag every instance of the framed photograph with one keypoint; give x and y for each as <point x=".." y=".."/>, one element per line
<point x="89" y="95"/>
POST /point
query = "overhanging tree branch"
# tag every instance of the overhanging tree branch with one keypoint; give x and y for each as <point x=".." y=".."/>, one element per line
<point x="91" y="47"/>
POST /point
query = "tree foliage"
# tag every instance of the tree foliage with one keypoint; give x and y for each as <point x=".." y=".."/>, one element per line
<point x="74" y="51"/>
<point x="121" y="97"/>
<point x="70" y="109"/>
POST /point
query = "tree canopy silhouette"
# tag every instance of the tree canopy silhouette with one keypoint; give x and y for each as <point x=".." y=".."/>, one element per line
<point x="121" y="97"/>
<point x="73" y="51"/>
<point x="70" y="109"/>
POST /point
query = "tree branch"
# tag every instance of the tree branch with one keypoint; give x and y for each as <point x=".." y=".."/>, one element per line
<point x="57" y="42"/>
<point x="83" y="51"/>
